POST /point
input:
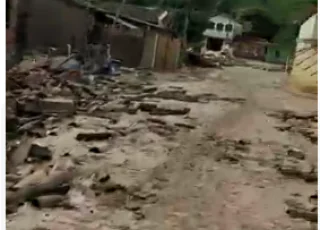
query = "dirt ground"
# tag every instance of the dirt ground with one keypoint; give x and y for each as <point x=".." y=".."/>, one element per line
<point x="221" y="166"/>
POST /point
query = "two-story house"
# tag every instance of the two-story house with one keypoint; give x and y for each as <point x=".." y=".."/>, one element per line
<point x="221" y="28"/>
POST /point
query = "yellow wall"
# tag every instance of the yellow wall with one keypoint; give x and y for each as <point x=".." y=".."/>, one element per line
<point x="304" y="75"/>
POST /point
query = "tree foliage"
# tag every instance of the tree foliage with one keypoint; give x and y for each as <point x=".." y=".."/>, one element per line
<point x="278" y="12"/>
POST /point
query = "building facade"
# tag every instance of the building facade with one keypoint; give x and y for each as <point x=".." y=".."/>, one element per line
<point x="221" y="28"/>
<point x="304" y="74"/>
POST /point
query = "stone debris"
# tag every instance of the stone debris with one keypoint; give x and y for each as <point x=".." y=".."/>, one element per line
<point x="303" y="123"/>
<point x="91" y="136"/>
<point x="50" y="201"/>
<point x="299" y="210"/>
<point x="40" y="152"/>
<point x="115" y="131"/>
<point x="299" y="169"/>
<point x="296" y="153"/>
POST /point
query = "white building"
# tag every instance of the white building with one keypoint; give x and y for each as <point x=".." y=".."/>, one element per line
<point x="308" y="33"/>
<point x="221" y="28"/>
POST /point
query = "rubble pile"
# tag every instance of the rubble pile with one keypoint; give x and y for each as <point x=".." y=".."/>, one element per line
<point x="304" y="124"/>
<point x="211" y="58"/>
<point x="40" y="99"/>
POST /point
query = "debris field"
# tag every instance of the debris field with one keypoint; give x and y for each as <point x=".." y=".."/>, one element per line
<point x="198" y="149"/>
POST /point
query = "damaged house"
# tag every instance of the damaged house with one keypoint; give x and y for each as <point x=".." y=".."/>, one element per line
<point x="140" y="37"/>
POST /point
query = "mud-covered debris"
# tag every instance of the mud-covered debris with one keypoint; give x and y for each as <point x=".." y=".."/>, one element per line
<point x="50" y="201"/>
<point x="170" y="109"/>
<point x="30" y="125"/>
<point x="133" y="107"/>
<point x="12" y="178"/>
<point x="303" y="171"/>
<point x="147" y="106"/>
<point x="288" y="114"/>
<point x="108" y="186"/>
<point x="58" y="105"/>
<point x="91" y="136"/>
<point x="33" y="179"/>
<point x="19" y="154"/>
<point x="115" y="106"/>
<point x="54" y="184"/>
<point x="34" y="105"/>
<point x="149" y="88"/>
<point x="185" y="125"/>
<point x="157" y="120"/>
<point x="313" y="199"/>
<point x="40" y="228"/>
<point x="296" y="153"/>
<point x="133" y="206"/>
<point x="40" y="151"/>
<point x="99" y="148"/>
<point x="102" y="178"/>
<point x="301" y="210"/>
<point x="300" y="213"/>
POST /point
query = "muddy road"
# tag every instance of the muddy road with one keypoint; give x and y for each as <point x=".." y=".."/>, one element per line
<point x="201" y="149"/>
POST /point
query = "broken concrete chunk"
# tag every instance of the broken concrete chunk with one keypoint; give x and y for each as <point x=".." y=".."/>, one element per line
<point x="147" y="106"/>
<point x="157" y="120"/>
<point x="185" y="125"/>
<point x="133" y="107"/>
<point x="296" y="153"/>
<point x="170" y="109"/>
<point x="20" y="154"/>
<point x="49" y="201"/>
<point x="149" y="88"/>
<point x="33" y="179"/>
<point x="299" y="170"/>
<point x="99" y="148"/>
<point x="40" y="151"/>
<point x="91" y="136"/>
<point x="58" y="105"/>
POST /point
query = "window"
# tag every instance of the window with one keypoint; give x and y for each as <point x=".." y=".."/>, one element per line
<point x="220" y="26"/>
<point x="277" y="53"/>
<point x="212" y="25"/>
<point x="229" y="28"/>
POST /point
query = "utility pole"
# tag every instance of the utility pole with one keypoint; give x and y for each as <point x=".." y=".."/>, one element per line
<point x="186" y="22"/>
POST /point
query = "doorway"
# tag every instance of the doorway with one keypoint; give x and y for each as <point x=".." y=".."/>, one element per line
<point x="214" y="44"/>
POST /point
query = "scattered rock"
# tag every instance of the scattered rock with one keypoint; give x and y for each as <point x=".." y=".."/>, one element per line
<point x="296" y="153"/>
<point x="108" y="186"/>
<point x="91" y="136"/>
<point x="149" y="88"/>
<point x="303" y="214"/>
<point x="170" y="109"/>
<point x="99" y="148"/>
<point x="133" y="107"/>
<point x="157" y="120"/>
<point x="20" y="154"/>
<point x="185" y="125"/>
<point x="297" y="170"/>
<point x="147" y="106"/>
<point x="58" y="105"/>
<point x="50" y="201"/>
<point x="40" y="151"/>
<point x="133" y="206"/>
<point x="35" y="178"/>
